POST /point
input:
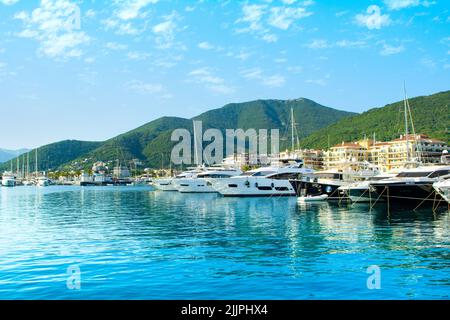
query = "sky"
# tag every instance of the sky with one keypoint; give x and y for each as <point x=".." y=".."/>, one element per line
<point x="92" y="69"/>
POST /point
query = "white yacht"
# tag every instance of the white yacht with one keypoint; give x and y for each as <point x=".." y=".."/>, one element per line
<point x="266" y="181"/>
<point x="442" y="187"/>
<point x="361" y="191"/>
<point x="334" y="182"/>
<point x="411" y="185"/>
<point x="8" y="179"/>
<point x="172" y="184"/>
<point x="43" y="182"/>
<point x="203" y="182"/>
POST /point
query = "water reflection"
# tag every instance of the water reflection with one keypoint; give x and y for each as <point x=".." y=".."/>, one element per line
<point x="138" y="243"/>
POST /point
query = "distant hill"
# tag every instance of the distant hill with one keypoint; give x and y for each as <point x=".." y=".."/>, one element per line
<point x="6" y="154"/>
<point x="431" y="115"/>
<point x="53" y="155"/>
<point x="151" y="143"/>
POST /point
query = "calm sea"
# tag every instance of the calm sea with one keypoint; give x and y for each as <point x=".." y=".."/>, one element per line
<point x="135" y="243"/>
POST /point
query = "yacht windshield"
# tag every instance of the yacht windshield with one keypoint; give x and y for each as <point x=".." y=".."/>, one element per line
<point x="413" y="174"/>
<point x="334" y="176"/>
<point x="262" y="173"/>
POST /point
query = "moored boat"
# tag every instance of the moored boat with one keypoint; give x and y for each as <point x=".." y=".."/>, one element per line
<point x="413" y="186"/>
<point x="8" y="180"/>
<point x="264" y="182"/>
<point x="203" y="182"/>
<point x="443" y="188"/>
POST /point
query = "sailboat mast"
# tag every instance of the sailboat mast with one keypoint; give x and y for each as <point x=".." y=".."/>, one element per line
<point x="36" y="163"/>
<point x="292" y="128"/>
<point x="406" y="125"/>
<point x="28" y="165"/>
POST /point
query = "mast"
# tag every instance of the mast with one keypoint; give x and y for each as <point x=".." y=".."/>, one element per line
<point x="18" y="164"/>
<point x="406" y="124"/>
<point x="292" y="129"/>
<point x="28" y="165"/>
<point x="36" y="169"/>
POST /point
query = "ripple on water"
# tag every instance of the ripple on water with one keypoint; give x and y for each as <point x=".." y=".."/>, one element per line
<point x="134" y="243"/>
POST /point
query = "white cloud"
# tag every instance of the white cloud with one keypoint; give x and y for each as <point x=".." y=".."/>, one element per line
<point x="351" y="44"/>
<point x="132" y="9"/>
<point x="116" y="46"/>
<point x="165" y="31"/>
<point x="9" y="2"/>
<point x="324" y="44"/>
<point x="56" y="25"/>
<point x="260" y="18"/>
<point x="402" y="4"/>
<point x="205" y="45"/>
<point x="390" y="50"/>
<point x="319" y="82"/>
<point x="136" y="55"/>
<point x="125" y="14"/>
<point x="282" y="17"/>
<point x="271" y="81"/>
<point x="144" y="88"/>
<point x="318" y="44"/>
<point x="274" y="81"/>
<point x="270" y="37"/>
<point x="426" y="62"/>
<point x="373" y="19"/>
<point x="213" y="83"/>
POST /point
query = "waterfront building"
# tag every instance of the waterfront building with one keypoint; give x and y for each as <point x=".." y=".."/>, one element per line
<point x="347" y="154"/>
<point x="387" y="156"/>
<point x="313" y="159"/>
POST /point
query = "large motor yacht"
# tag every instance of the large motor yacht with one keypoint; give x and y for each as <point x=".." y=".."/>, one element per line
<point x="411" y="185"/>
<point x="173" y="184"/>
<point x="203" y="182"/>
<point x="265" y="181"/>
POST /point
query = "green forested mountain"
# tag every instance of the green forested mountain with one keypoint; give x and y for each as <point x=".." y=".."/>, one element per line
<point x="53" y="155"/>
<point x="6" y="155"/>
<point x="431" y="116"/>
<point x="151" y="143"/>
<point x="317" y="126"/>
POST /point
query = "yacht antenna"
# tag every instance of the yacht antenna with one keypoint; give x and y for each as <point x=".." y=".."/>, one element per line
<point x="292" y="128"/>
<point x="406" y="124"/>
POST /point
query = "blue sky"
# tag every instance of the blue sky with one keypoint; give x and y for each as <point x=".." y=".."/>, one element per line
<point x="92" y="69"/>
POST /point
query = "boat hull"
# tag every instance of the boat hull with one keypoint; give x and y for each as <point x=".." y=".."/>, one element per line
<point x="254" y="187"/>
<point x="8" y="183"/>
<point x="317" y="188"/>
<point x="443" y="190"/>
<point x="406" y="193"/>
<point x="165" y="185"/>
<point x="195" y="186"/>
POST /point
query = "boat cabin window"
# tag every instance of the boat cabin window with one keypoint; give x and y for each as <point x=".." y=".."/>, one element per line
<point x="285" y="176"/>
<point x="262" y="173"/>
<point x="333" y="176"/>
<point x="439" y="173"/>
<point x="413" y="174"/>
<point x="214" y="175"/>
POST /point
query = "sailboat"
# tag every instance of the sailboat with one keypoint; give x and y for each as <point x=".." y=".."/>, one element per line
<point x="41" y="181"/>
<point x="27" y="181"/>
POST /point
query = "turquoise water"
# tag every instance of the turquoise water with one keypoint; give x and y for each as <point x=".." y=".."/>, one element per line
<point x="135" y="243"/>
